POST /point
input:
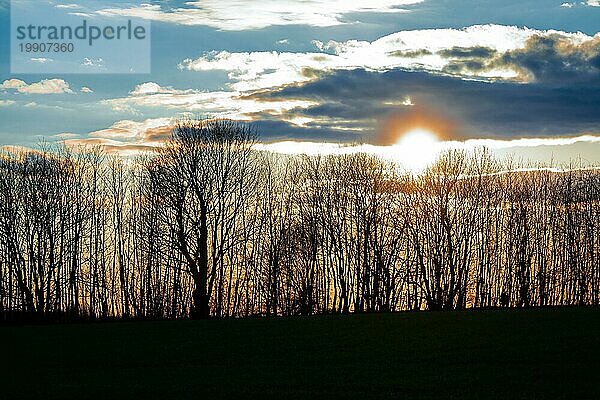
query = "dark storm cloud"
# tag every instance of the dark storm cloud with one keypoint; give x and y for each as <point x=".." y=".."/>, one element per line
<point x="557" y="92"/>
<point x="277" y="130"/>
<point x="481" y="108"/>
<point x="411" y="53"/>
<point x="556" y="59"/>
<point x="468" y="52"/>
<point x="550" y="58"/>
<point x="465" y="67"/>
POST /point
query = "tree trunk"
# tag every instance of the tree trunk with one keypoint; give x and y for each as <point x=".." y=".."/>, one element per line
<point x="200" y="295"/>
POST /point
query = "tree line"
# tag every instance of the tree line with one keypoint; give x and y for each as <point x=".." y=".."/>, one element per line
<point x="209" y="226"/>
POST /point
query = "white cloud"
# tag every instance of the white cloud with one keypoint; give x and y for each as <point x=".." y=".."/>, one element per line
<point x="65" y="135"/>
<point x="234" y="14"/>
<point x="82" y="15"/>
<point x="588" y="3"/>
<point x="90" y="62"/>
<point x="13" y="84"/>
<point x="33" y="104"/>
<point x="6" y="103"/>
<point x="416" y="49"/>
<point x="127" y="137"/>
<point x="86" y="89"/>
<point x="397" y="153"/>
<point x="46" y="86"/>
<point x="258" y="70"/>
<point x="407" y="101"/>
<point x="318" y="44"/>
<point x="128" y="130"/>
<point x="496" y="144"/>
<point x="68" y="6"/>
<point x="154" y="88"/>
<point x="42" y="60"/>
<point x="223" y="104"/>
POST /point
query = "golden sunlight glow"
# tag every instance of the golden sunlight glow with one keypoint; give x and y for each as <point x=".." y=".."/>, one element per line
<point x="417" y="148"/>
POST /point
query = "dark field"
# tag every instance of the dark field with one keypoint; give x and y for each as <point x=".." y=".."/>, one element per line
<point x="534" y="354"/>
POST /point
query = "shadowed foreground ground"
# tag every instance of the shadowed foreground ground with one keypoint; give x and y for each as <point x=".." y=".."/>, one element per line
<point x="535" y="354"/>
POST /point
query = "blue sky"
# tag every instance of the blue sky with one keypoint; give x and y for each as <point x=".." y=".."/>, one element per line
<point x="326" y="71"/>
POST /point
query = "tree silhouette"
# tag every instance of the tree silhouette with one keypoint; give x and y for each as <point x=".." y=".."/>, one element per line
<point x="209" y="225"/>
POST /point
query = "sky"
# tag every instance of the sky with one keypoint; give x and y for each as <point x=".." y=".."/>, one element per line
<point x="322" y="71"/>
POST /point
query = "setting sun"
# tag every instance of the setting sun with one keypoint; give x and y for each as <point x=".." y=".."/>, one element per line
<point x="417" y="148"/>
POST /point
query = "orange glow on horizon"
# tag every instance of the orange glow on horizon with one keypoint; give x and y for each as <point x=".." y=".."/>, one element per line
<point x="398" y="124"/>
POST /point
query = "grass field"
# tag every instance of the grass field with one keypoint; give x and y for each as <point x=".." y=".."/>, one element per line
<point x="534" y="354"/>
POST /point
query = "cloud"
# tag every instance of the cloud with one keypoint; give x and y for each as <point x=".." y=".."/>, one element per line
<point x="82" y="15"/>
<point x="553" y="57"/>
<point x="92" y="63"/>
<point x="554" y="151"/>
<point x="361" y="101"/>
<point x="46" y="86"/>
<point x="33" y="104"/>
<point x="42" y="60"/>
<point x="128" y="137"/>
<point x="86" y="89"/>
<point x="467" y="52"/>
<point x="349" y="88"/>
<point x="259" y="70"/>
<point x="222" y="104"/>
<point x="529" y="142"/>
<point x="149" y="130"/>
<point x="65" y="136"/>
<point x="482" y="81"/>
<point x="13" y="84"/>
<point x="68" y="6"/>
<point x="245" y="15"/>
<point x="5" y="103"/>
<point x="154" y="88"/>
<point x="295" y="147"/>
<point x="485" y="52"/>
<point x="131" y="138"/>
<point x="588" y="3"/>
